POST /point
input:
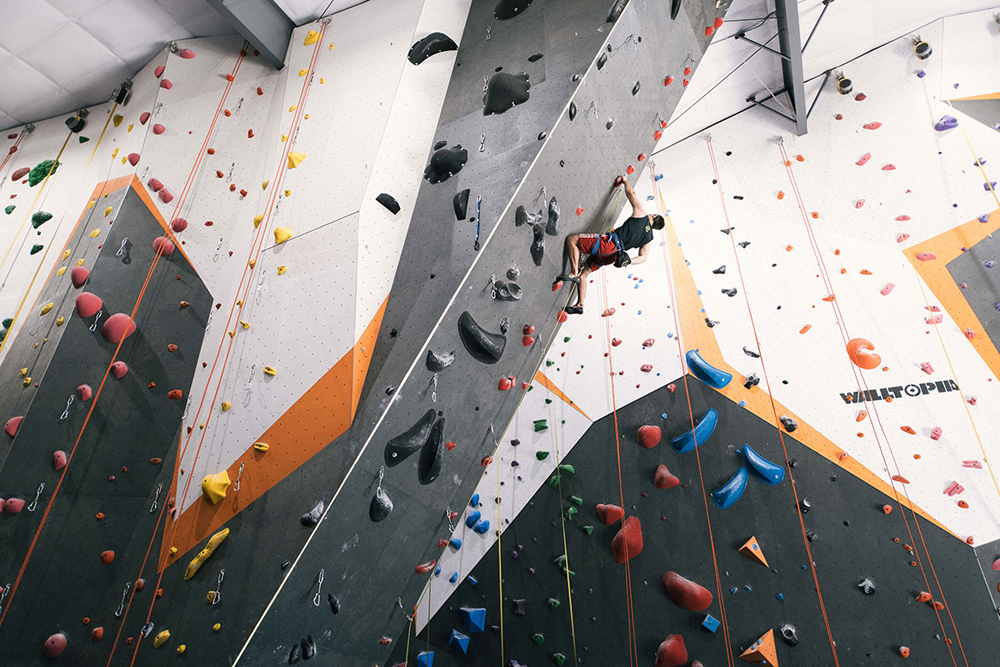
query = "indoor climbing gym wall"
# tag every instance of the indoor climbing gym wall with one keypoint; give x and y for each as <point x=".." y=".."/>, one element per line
<point x="288" y="375"/>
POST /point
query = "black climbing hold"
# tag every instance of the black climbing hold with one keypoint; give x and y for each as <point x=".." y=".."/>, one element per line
<point x="538" y="244"/>
<point x="675" y="8"/>
<point x="295" y="654"/>
<point x="730" y="291"/>
<point x="334" y="603"/>
<point x="542" y="135"/>
<point x="389" y="202"/>
<point x="602" y="61"/>
<point x="743" y="244"/>
<point x="445" y="163"/>
<point x="440" y="144"/>
<point x="572" y="110"/>
<point x="461" y="204"/>
<point x="750" y="353"/>
<point x="504" y="328"/>
<point x="811" y="535"/>
<point x="429" y="466"/>
<point x="508" y="9"/>
<point x="513" y="272"/>
<point x="738" y="197"/>
<point x="617" y="7"/>
<point x="710" y="322"/>
<point x="483" y="345"/>
<point x="789" y="423"/>
<point x="535" y="58"/>
<point x="507" y="291"/>
<point x="726" y="231"/>
<point x="553" y="227"/>
<point x="393" y="333"/>
<point x="505" y="91"/>
<point x="635" y="88"/>
<point x="379" y="509"/>
<point x="519" y="606"/>
<point x="311" y="518"/>
<point x="751" y="381"/>
<point x="520" y="216"/>
<point x="805" y="505"/>
<point x="403" y="445"/>
<point x="609" y="124"/>
<point x="438" y="362"/>
<point x="576" y="77"/>
<point x="308" y="647"/>
<point x="432" y="44"/>
<point x="867" y="586"/>
<point x="719" y="271"/>
<point x="285" y="564"/>
<point x="789" y="635"/>
<point x="562" y="163"/>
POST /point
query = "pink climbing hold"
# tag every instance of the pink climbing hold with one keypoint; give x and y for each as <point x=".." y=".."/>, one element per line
<point x="159" y="129"/>
<point x="119" y="369"/>
<point x="872" y="126"/>
<point x="864" y="159"/>
<point x="996" y="565"/>
<point x="133" y="159"/>
<point x="936" y="433"/>
<point x="926" y="256"/>
<point x="615" y="342"/>
<point x="154" y="184"/>
<point x="953" y="489"/>
<point x="19" y="173"/>
<point x="859" y="203"/>
<point x="14" y="423"/>
<point x="143" y="117"/>
<point x="158" y="71"/>
<point x="902" y="237"/>
<point x="610" y="514"/>
<point x="84" y="392"/>
<point x="187" y="54"/>
<point x="166" y="84"/>
<point x="165" y="196"/>
<point x="646" y="368"/>
<point x="672" y="652"/>
<point x="163" y="245"/>
<point x="664" y="479"/>
<point x="179" y="224"/>
<point x="934" y="319"/>
<point x="627" y="544"/>
<point x="87" y="304"/>
<point x="13" y="505"/>
<point x="649" y="436"/>
<point x="685" y="593"/>
<point x="902" y="218"/>
<point x="54" y="645"/>
<point x="78" y="276"/>
<point x="887" y="289"/>
<point x="648" y="342"/>
<point x="59" y="459"/>
<point x="117" y="328"/>
<point x="927" y="368"/>
<point x="608" y="313"/>
<point x="889" y="167"/>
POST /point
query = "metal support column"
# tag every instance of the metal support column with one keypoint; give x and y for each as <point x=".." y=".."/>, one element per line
<point x="790" y="41"/>
<point x="262" y="23"/>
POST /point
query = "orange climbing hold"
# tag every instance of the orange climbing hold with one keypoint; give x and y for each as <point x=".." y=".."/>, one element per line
<point x="964" y="505"/>
<point x="924" y="596"/>
<point x="788" y="248"/>
<point x="900" y="479"/>
<point x="805" y="328"/>
<point x="861" y="416"/>
<point x="866" y="272"/>
<point x="107" y="557"/>
<point x="751" y="549"/>
<point x="762" y="652"/>
<point x="886" y="509"/>
<point x="860" y="350"/>
<point x="831" y="298"/>
<point x="781" y="194"/>
<point x="907" y="429"/>
<point x="904" y="651"/>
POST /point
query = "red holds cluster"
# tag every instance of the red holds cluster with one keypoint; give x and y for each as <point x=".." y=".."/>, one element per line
<point x="117" y="328"/>
<point x="649" y="436"/>
<point x="163" y="245"/>
<point x="87" y="304"/>
<point x="610" y="514"/>
<point x="685" y="593"/>
<point x="627" y="544"/>
<point x="672" y="652"/>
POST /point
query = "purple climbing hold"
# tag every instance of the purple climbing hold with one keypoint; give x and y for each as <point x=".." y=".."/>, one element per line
<point x="946" y="123"/>
<point x="921" y="73"/>
<point x="985" y="217"/>
<point x="990" y="187"/>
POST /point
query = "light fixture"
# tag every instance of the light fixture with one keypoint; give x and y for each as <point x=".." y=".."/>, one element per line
<point x="124" y="92"/>
<point x="76" y="123"/>
<point x="921" y="49"/>
<point x="844" y="85"/>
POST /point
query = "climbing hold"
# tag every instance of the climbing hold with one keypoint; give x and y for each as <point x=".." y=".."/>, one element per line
<point x="872" y="126"/>
<point x="38" y="218"/>
<point x="14" y="505"/>
<point x="664" y="479"/>
<point x="117" y="328"/>
<point x="107" y="557"/>
<point x="860" y="350"/>
<point x="47" y="307"/>
<point x="12" y="425"/>
<point x="627" y="544"/>
<point x="408" y="442"/>
<point x="505" y="91"/>
<point x="432" y="44"/>
<point x="702" y="431"/>
<point x="389" y="202"/>
<point x="617" y="7"/>
<point x="484" y="346"/>
<point x="672" y="652"/>
<point x="425" y="659"/>
<point x="163" y="245"/>
<point x="459" y="641"/>
<point x="380" y="506"/>
<point x="610" y="514"/>
<point x="752" y="550"/>
<point x="708" y="374"/>
<point x="87" y="304"/>
<point x="926" y="256"/>
<point x="35" y="249"/>
<point x="887" y="289"/>
<point x="19" y="173"/>
<point x="268" y="370"/>
<point x="649" y="436"/>
<point x="788" y="422"/>
<point x="864" y="159"/>
<point x="886" y="509"/>
<point x="762" y="652"/>
<point x="445" y="163"/>
<point x="166" y="84"/>
<point x="429" y="464"/>
<point x="54" y="645"/>
<point x="438" y="362"/>
<point x="295" y="159"/>
<point x="685" y="593"/>
<point x="119" y="369"/>
<point x="552" y="228"/>
<point x="261" y="446"/>
<point x="59" y="459"/>
<point x="282" y="234"/>
<point x="78" y="276"/>
<point x="311" y="518"/>
<point x="161" y="638"/>
<point x="537" y="248"/>
<point x="213" y="486"/>
<point x="84" y="392"/>
<point x="460" y="202"/>
<point x="203" y="555"/>
<point x="762" y="469"/>
<point x="936" y="433"/>
<point x="946" y="123"/>
<point x="730" y="492"/>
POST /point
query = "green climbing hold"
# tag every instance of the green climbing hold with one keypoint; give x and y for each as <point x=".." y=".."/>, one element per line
<point x="560" y="561"/>
<point x="554" y="481"/>
<point x="39" y="218"/>
<point x="589" y="530"/>
<point x="7" y="322"/>
<point x="553" y="603"/>
<point x="568" y="469"/>
<point x="3" y="334"/>
<point x="84" y="140"/>
<point x="590" y="591"/>
<point x="548" y="363"/>
<point x="570" y="511"/>
<point x="541" y="456"/>
<point x="538" y="638"/>
<point x="576" y="500"/>
<point x="566" y="339"/>
<point x="559" y="658"/>
<point x="594" y="619"/>
<point x="541" y="425"/>
<point x="548" y="401"/>
<point x="9" y="209"/>
<point x="41" y="171"/>
<point x="36" y="248"/>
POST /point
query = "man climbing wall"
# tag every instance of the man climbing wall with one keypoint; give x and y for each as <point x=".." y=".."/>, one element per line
<point x="610" y="248"/>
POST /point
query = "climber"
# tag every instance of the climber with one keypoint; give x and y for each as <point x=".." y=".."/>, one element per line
<point x="610" y="248"/>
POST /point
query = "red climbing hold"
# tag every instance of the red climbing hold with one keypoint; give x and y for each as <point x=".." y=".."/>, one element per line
<point x="84" y="392"/>
<point x="175" y="394"/>
<point x="672" y="652"/>
<point x="107" y="557"/>
<point x="155" y="184"/>
<point x="649" y="342"/>
<point x="78" y="276"/>
<point x="133" y="159"/>
<point x="562" y="316"/>
<point x="658" y="135"/>
<point x="709" y="31"/>
<point x="13" y="505"/>
<point x="19" y="173"/>
<point x="165" y="196"/>
<point x="889" y="167"/>
<point x="87" y="304"/>
<point x="426" y="567"/>
<point x="642" y="156"/>
<point x="646" y="368"/>
<point x="506" y="383"/>
<point x="59" y="459"/>
<point x="97" y="634"/>
<point x="608" y="313"/>
<point x="864" y="159"/>
<point x="630" y="169"/>
<point x="119" y="369"/>
<point x="528" y="341"/>
<point x="580" y="210"/>
<point x="627" y="544"/>
<point x="117" y="328"/>
<point x="685" y="593"/>
<point x="860" y="97"/>
<point x="649" y="436"/>
<point x="664" y="479"/>
<point x="610" y="514"/>
<point x="179" y="224"/>
<point x="54" y="645"/>
<point x="187" y="54"/>
<point x="872" y="126"/>
<point x="14" y="423"/>
<point x="557" y="285"/>
<point x="615" y="342"/>
<point x="718" y="22"/>
<point x="143" y="117"/>
<point x="163" y="245"/>
<point x="166" y="84"/>
<point x="159" y="129"/>
<point x="158" y="71"/>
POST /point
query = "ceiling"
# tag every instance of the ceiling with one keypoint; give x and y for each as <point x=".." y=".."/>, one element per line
<point x="57" y="56"/>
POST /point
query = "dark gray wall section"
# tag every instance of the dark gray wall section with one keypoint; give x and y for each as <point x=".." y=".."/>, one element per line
<point x="65" y="580"/>
<point x="983" y="283"/>
<point x="867" y="629"/>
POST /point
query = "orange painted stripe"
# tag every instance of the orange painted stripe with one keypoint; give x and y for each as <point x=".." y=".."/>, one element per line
<point x="315" y="420"/>
<point x="541" y="379"/>
<point x="987" y="96"/>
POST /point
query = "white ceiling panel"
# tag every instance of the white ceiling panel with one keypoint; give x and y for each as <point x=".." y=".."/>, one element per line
<point x="306" y="11"/>
<point x="149" y="27"/>
<point x="88" y="55"/>
<point x="25" y="25"/>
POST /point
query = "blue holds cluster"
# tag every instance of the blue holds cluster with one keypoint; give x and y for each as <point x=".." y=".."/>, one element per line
<point x="474" y="619"/>
<point x="705" y="372"/>
<point x="764" y="470"/>
<point x="459" y="641"/>
<point x="702" y="431"/>
<point x="425" y="659"/>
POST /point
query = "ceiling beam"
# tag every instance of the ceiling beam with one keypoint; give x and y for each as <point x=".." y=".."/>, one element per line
<point x="790" y="39"/>
<point x="262" y="23"/>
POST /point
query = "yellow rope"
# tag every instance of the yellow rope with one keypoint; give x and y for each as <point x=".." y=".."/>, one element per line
<point x="409" y="631"/>
<point x="562" y="518"/>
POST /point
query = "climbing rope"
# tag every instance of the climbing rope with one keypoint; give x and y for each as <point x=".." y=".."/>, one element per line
<point x="11" y="151"/>
<point x="562" y="518"/>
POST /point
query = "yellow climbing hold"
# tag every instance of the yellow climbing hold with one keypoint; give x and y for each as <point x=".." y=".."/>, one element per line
<point x="210" y="597"/>
<point x="24" y="372"/>
<point x="231" y="333"/>
<point x="269" y="371"/>
<point x="216" y="627"/>
<point x="66" y="253"/>
<point x="124" y="160"/>
<point x="295" y="159"/>
<point x="263" y="186"/>
<point x="108" y="210"/>
<point x="90" y="206"/>
<point x="261" y="446"/>
<point x="281" y="270"/>
<point x="173" y="551"/>
<point x="61" y="270"/>
<point x="94" y="234"/>
<point x="257" y="219"/>
<point x="288" y="193"/>
<point x="79" y="262"/>
<point x="322" y="80"/>
<point x="293" y="107"/>
<point x="331" y="46"/>
<point x="161" y="639"/>
<point x="181" y="649"/>
<point x="199" y="560"/>
<point x="114" y="153"/>
<point x="117" y="119"/>
<point x="283" y="137"/>
<point x="214" y="486"/>
<point x="239" y="302"/>
<point x="244" y="324"/>
<point x="60" y="320"/>
<point x="311" y="38"/>
<point x="47" y="307"/>
<point x="252" y="263"/>
<point x="282" y="234"/>
<point x="307" y="116"/>
<point x="130" y="126"/>
<point x="303" y="72"/>
<point x="27" y="380"/>
<point x="226" y="405"/>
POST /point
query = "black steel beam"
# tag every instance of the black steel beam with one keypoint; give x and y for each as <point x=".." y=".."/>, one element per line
<point x="262" y="23"/>
<point x="790" y="41"/>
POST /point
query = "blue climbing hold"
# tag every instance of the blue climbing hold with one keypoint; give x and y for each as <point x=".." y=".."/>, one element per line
<point x="481" y="527"/>
<point x="702" y="431"/>
<point x="455" y="543"/>
<point x="453" y="578"/>
<point x="762" y="469"/>
<point x="475" y="500"/>
<point x="425" y="659"/>
<point x="437" y="571"/>
<point x="474" y="618"/>
<point x="710" y="623"/>
<point x="459" y="641"/>
<point x="705" y="372"/>
<point x="473" y="517"/>
<point x="780" y="596"/>
<point x="730" y="492"/>
<point x="472" y="580"/>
